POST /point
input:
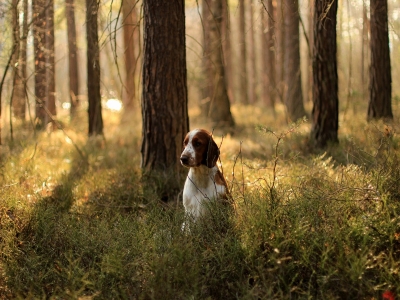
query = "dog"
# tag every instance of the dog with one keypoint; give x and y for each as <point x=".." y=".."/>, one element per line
<point x="204" y="182"/>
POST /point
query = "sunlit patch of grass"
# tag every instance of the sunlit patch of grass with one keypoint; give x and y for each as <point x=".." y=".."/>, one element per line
<point x="307" y="223"/>
<point x="322" y="238"/>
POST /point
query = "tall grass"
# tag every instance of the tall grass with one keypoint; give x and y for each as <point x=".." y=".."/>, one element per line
<point x="307" y="223"/>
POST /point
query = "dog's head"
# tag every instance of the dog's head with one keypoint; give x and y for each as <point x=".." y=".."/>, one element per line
<point x="199" y="148"/>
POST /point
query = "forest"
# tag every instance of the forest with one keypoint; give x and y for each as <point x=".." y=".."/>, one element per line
<point x="97" y="96"/>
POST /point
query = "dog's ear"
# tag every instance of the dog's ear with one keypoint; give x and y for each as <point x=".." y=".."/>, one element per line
<point x="212" y="153"/>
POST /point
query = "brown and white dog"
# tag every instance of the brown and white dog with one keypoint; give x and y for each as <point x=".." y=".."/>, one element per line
<point x="204" y="182"/>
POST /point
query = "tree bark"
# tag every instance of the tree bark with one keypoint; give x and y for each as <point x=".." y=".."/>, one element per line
<point x="243" y="85"/>
<point x="309" y="54"/>
<point x="217" y="104"/>
<point x="252" y="75"/>
<point x="380" y="86"/>
<point x="269" y="52"/>
<point x="50" y="62"/>
<point x="24" y="55"/>
<point x="18" y="98"/>
<point x="164" y="98"/>
<point x="130" y="32"/>
<point x="93" y="69"/>
<point x="73" y="57"/>
<point x="280" y="48"/>
<point x="292" y="72"/>
<point x="325" y="79"/>
<point x="364" y="50"/>
<point x="227" y="49"/>
<point x="39" y="40"/>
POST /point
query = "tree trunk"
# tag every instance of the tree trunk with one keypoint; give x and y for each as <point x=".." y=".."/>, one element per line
<point x="93" y="69"/>
<point x="164" y="98"/>
<point x="252" y="58"/>
<point x="130" y="31"/>
<point x="227" y="49"/>
<point x="24" y="54"/>
<point x="380" y="105"/>
<point x="309" y="54"/>
<point x="73" y="57"/>
<point x="50" y="62"/>
<point x="325" y="79"/>
<point x="207" y="89"/>
<point x="364" y="50"/>
<point x="39" y="38"/>
<point x="217" y="104"/>
<point x="243" y="85"/>
<point x="280" y="48"/>
<point x="292" y="72"/>
<point x="18" y="98"/>
<point x="269" y="52"/>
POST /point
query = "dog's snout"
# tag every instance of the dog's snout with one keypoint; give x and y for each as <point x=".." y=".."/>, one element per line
<point x="184" y="159"/>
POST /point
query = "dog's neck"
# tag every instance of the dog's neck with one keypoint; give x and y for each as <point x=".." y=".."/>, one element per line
<point x="202" y="175"/>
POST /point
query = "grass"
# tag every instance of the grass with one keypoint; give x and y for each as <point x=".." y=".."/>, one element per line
<point x="307" y="224"/>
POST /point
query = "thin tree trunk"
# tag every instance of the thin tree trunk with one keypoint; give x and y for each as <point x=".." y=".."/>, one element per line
<point x="325" y="112"/>
<point x="50" y="62"/>
<point x="39" y="38"/>
<point x="380" y="102"/>
<point x="130" y="29"/>
<point x="217" y="108"/>
<point x="364" y="50"/>
<point x="243" y="55"/>
<point x="294" y="94"/>
<point x="310" y="54"/>
<point x="93" y="69"/>
<point x="227" y="49"/>
<point x="18" y="98"/>
<point x="73" y="57"/>
<point x="252" y="59"/>
<point x="24" y="55"/>
<point x="269" y="52"/>
<point x="207" y="87"/>
<point x="280" y="48"/>
<point x="164" y="98"/>
<point x="350" y="68"/>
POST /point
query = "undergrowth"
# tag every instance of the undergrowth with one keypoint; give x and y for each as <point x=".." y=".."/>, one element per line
<point x="307" y="223"/>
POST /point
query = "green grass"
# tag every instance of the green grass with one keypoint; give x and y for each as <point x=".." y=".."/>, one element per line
<point x="307" y="223"/>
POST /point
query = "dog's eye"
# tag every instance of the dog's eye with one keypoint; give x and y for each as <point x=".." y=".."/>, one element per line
<point x="197" y="144"/>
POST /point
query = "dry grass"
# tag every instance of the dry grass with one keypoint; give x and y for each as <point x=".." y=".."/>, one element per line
<point x="308" y="223"/>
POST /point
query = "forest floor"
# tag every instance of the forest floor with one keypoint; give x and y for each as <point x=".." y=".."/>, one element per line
<point x="80" y="220"/>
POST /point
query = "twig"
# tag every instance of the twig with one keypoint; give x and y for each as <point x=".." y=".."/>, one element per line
<point x="241" y="162"/>
<point x="306" y="37"/>
<point x="8" y="185"/>
<point x="204" y="195"/>
<point x="271" y="189"/>
<point x="14" y="47"/>
<point x="266" y="9"/>
<point x="279" y="138"/>
<point x="59" y="126"/>
<point x="4" y="77"/>
<point x="34" y="152"/>
<point x="233" y="169"/>
<point x="349" y="83"/>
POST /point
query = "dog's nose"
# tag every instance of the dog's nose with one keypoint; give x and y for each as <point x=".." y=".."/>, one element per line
<point x="184" y="159"/>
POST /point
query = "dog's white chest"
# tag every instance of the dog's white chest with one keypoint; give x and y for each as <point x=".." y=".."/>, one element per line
<point x="200" y="187"/>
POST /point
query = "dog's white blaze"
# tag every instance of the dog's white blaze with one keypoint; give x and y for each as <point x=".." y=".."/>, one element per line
<point x="189" y="149"/>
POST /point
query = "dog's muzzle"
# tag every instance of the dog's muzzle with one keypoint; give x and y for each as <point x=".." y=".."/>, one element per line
<point x="185" y="160"/>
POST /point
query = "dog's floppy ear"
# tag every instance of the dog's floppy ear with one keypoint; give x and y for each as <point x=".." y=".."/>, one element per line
<point x="212" y="153"/>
